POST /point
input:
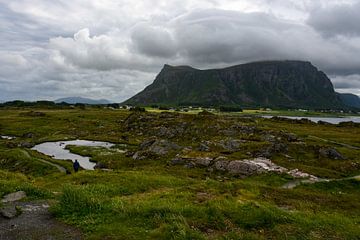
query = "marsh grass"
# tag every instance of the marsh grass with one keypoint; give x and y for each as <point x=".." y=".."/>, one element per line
<point x="150" y="199"/>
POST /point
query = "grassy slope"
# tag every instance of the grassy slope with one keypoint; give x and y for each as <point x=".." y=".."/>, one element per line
<point x="149" y="200"/>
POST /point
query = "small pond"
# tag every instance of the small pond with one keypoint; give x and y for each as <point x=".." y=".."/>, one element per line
<point x="57" y="151"/>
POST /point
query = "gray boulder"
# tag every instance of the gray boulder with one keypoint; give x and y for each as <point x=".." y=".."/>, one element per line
<point x="331" y="153"/>
<point x="26" y="145"/>
<point x="244" y="168"/>
<point x="194" y="162"/>
<point x="13" y="197"/>
<point x="202" y="162"/>
<point x="8" y="211"/>
<point x="203" y="147"/>
<point x="232" y="145"/>
<point x="221" y="165"/>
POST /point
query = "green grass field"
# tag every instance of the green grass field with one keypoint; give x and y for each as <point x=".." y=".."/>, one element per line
<point x="151" y="199"/>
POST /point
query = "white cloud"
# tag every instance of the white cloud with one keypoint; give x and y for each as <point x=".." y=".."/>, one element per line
<point x="114" y="48"/>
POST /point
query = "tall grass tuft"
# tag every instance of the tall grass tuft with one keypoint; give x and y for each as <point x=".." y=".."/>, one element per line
<point x="78" y="200"/>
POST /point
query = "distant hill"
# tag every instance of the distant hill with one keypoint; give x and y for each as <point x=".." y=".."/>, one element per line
<point x="74" y="100"/>
<point x="350" y="100"/>
<point x="284" y="84"/>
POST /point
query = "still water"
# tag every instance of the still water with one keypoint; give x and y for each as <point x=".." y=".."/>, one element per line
<point x="333" y="120"/>
<point x="57" y="151"/>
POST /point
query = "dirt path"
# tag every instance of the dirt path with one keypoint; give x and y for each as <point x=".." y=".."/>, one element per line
<point x="334" y="142"/>
<point x="295" y="183"/>
<point x="60" y="168"/>
<point x="36" y="222"/>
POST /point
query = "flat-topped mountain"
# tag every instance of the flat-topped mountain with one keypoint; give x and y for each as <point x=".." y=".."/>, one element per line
<point x="286" y="84"/>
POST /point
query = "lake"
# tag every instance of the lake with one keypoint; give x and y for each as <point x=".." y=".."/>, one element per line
<point x="57" y="150"/>
<point x="333" y="120"/>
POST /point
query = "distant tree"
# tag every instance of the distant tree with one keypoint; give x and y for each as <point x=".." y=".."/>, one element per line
<point x="114" y="105"/>
<point x="164" y="108"/>
<point x="230" y="109"/>
<point x="137" y="109"/>
<point x="80" y="105"/>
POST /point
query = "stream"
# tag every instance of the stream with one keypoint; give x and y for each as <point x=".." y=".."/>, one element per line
<point x="57" y="150"/>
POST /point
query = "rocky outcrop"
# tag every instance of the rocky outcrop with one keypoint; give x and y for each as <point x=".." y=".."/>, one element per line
<point x="225" y="145"/>
<point x="153" y="146"/>
<point x="248" y="167"/>
<point x="241" y="168"/>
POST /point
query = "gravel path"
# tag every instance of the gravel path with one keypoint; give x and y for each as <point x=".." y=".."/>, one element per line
<point x="60" y="168"/>
<point x="36" y="222"/>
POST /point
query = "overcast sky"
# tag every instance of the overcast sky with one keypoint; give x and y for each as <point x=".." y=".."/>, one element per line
<point x="113" y="49"/>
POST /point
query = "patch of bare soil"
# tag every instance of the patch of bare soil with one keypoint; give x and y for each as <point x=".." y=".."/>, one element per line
<point x="35" y="222"/>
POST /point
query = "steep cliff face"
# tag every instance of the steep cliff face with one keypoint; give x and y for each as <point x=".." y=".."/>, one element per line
<point x="271" y="83"/>
<point x="350" y="100"/>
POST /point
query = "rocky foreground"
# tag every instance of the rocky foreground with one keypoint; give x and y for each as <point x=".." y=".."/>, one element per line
<point x="225" y="145"/>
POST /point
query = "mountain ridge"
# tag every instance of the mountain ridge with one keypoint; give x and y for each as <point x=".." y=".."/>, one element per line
<point x="350" y="99"/>
<point x="74" y="100"/>
<point x="287" y="84"/>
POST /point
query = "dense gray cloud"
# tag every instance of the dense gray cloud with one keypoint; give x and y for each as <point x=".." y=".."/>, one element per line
<point x="337" y="20"/>
<point x="112" y="49"/>
<point x="153" y="41"/>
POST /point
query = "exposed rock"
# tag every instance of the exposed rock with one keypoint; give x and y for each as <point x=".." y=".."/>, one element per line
<point x="204" y="147"/>
<point x="298" y="174"/>
<point x="330" y="153"/>
<point x="163" y="147"/>
<point x="193" y="162"/>
<point x="28" y="135"/>
<point x="153" y="147"/>
<point x="147" y="143"/>
<point x="140" y="155"/>
<point x="245" y="168"/>
<point x="279" y="147"/>
<point x="202" y="197"/>
<point x="269" y="151"/>
<point x="9" y="211"/>
<point x="178" y="161"/>
<point x="251" y="167"/>
<point x="290" y="137"/>
<point x="268" y="138"/>
<point x="232" y="145"/>
<point x="100" y="165"/>
<point x="129" y="154"/>
<point x="26" y="145"/>
<point x="221" y="165"/>
<point x="12" y="197"/>
<point x="202" y="162"/>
